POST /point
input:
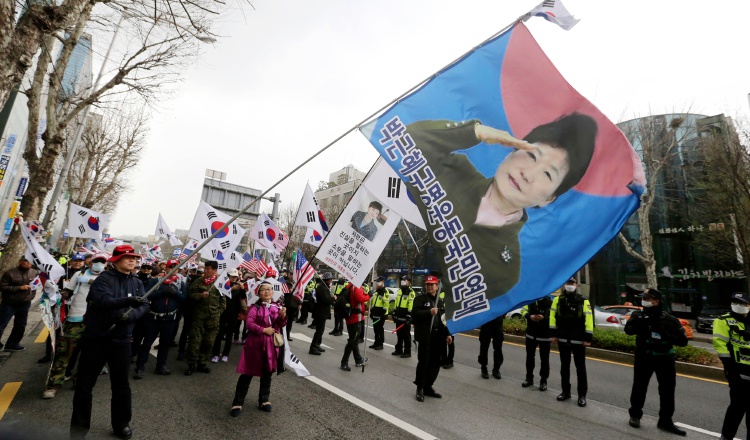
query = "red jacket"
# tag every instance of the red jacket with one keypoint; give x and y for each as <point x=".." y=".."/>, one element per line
<point x="358" y="300"/>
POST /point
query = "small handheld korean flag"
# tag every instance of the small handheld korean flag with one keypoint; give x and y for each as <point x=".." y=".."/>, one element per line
<point x="268" y="235"/>
<point x="554" y="12"/>
<point x="162" y="230"/>
<point x="291" y="361"/>
<point x="39" y="257"/>
<point x="207" y="221"/>
<point x="83" y="222"/>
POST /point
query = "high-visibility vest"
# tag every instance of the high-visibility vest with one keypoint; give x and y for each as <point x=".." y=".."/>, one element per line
<point x="732" y="343"/>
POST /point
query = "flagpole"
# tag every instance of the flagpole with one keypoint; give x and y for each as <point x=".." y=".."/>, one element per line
<point x="319" y="152"/>
<point x="367" y="317"/>
<point x="286" y="250"/>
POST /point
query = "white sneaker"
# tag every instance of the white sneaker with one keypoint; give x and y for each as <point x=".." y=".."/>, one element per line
<point x="49" y="393"/>
<point x="215" y="359"/>
<point x="225" y="358"/>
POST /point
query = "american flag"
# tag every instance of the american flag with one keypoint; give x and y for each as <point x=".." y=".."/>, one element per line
<point x="303" y="273"/>
<point x="256" y="264"/>
<point x="284" y="288"/>
<point x="246" y="261"/>
<point x="83" y="250"/>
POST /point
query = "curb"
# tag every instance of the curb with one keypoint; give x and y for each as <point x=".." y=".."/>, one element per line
<point x="697" y="370"/>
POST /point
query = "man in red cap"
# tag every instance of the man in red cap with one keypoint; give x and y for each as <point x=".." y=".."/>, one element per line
<point x="106" y="340"/>
<point x="431" y="336"/>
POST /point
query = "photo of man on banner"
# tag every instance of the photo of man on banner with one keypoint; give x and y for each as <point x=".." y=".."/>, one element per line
<point x="519" y="179"/>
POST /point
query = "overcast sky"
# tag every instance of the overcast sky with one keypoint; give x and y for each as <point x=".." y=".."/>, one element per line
<point x="289" y="77"/>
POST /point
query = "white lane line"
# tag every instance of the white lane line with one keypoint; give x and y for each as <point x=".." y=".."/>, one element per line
<point x="373" y="410"/>
<point x="701" y="430"/>
<point x="305" y="338"/>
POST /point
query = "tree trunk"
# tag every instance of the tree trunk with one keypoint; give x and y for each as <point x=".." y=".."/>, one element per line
<point x="20" y="43"/>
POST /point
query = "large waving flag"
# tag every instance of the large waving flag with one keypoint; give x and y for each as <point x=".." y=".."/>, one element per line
<point x="510" y="220"/>
<point x="207" y="221"/>
<point x="39" y="257"/>
<point x="84" y="222"/>
<point x="311" y="217"/>
<point x="162" y="230"/>
<point x="268" y="235"/>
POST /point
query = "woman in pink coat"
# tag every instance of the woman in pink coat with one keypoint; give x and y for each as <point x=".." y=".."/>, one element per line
<point x="259" y="355"/>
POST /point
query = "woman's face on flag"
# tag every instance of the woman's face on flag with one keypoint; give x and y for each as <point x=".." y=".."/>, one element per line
<point x="372" y="213"/>
<point x="530" y="178"/>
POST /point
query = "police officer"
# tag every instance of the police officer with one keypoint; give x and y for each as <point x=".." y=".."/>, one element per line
<point x="491" y="332"/>
<point x="338" y="308"/>
<point x="571" y="326"/>
<point x="321" y="311"/>
<point x="537" y="334"/>
<point x="732" y="344"/>
<point x="656" y="334"/>
<point x="431" y="336"/>
<point x="378" y="312"/>
<point x="402" y="317"/>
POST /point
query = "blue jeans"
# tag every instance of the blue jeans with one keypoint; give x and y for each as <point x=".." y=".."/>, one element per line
<point x="21" y="313"/>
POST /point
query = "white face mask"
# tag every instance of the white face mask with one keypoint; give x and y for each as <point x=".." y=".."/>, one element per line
<point x="403" y="283"/>
<point x="645" y="303"/>
<point x="740" y="309"/>
<point x="570" y="288"/>
<point x="97" y="267"/>
<point x="379" y="284"/>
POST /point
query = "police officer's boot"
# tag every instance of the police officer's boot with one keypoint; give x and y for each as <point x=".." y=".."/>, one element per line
<point x="543" y="385"/>
<point x="496" y="373"/>
<point x="528" y="382"/>
<point x="485" y="373"/>
<point x="420" y="395"/>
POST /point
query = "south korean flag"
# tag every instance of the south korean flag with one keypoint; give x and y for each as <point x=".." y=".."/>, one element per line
<point x="268" y="236"/>
<point x="83" y="222"/>
<point x="207" y="221"/>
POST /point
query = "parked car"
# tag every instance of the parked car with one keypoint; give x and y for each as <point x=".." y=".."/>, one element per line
<point x="605" y="319"/>
<point x="516" y="314"/>
<point x="705" y="321"/>
<point x="628" y="310"/>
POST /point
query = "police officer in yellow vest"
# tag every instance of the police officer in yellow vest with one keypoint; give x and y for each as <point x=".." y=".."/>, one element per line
<point x="732" y="344"/>
<point x="378" y="312"/>
<point x="657" y="332"/>
<point x="338" y="311"/>
<point x="571" y="326"/>
<point x="402" y="317"/>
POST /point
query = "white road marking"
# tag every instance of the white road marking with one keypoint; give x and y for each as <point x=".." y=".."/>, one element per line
<point x="305" y="338"/>
<point x="701" y="430"/>
<point x="373" y="410"/>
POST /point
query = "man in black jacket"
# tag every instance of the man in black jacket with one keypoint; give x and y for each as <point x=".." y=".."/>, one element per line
<point x="656" y="335"/>
<point x="431" y="336"/>
<point x="16" y="302"/>
<point x="537" y="333"/>
<point x="106" y="340"/>
<point x="321" y="310"/>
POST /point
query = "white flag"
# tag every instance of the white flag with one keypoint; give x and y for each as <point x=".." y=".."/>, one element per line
<point x="312" y="237"/>
<point x="225" y="260"/>
<point x="310" y="216"/>
<point x="268" y="235"/>
<point x="252" y="295"/>
<point x="162" y="230"/>
<point x="39" y="257"/>
<point x="291" y="361"/>
<point x="222" y="283"/>
<point x="385" y="185"/>
<point x="208" y="220"/>
<point x="83" y="222"/>
<point x="553" y="11"/>
<point x="359" y="236"/>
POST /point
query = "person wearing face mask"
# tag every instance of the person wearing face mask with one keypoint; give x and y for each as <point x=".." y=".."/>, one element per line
<point x="66" y="352"/>
<point x="402" y="317"/>
<point x="732" y="344"/>
<point x="378" y="312"/>
<point x="656" y="334"/>
<point x="571" y="326"/>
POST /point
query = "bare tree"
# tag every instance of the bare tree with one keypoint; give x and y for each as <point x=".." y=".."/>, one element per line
<point x="656" y="138"/>
<point x="111" y="145"/>
<point x="153" y="57"/>
<point x="723" y="195"/>
<point x="21" y="40"/>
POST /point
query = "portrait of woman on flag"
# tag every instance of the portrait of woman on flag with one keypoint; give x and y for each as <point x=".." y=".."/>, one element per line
<point x="550" y="160"/>
<point x="364" y="221"/>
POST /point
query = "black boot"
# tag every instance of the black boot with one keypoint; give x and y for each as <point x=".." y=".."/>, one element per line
<point x="496" y="373"/>
<point x="190" y="370"/>
<point x="543" y="385"/>
<point x="485" y="373"/>
<point x="528" y="382"/>
<point x="420" y="395"/>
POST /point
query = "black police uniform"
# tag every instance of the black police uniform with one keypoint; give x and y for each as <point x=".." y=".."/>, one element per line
<point x="537" y="334"/>
<point x="491" y="332"/>
<point x="657" y="333"/>
<point x="321" y="312"/>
